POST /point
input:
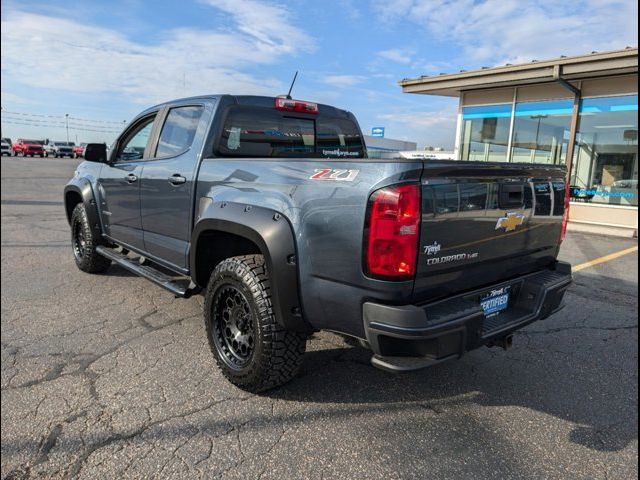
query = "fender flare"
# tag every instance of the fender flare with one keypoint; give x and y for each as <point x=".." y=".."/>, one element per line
<point x="271" y="231"/>
<point x="82" y="186"/>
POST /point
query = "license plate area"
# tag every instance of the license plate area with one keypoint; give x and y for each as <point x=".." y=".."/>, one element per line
<point x="495" y="301"/>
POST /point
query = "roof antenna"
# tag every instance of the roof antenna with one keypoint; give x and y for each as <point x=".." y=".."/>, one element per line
<point x="291" y="87"/>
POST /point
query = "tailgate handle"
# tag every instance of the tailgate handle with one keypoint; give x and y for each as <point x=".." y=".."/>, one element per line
<point x="511" y="196"/>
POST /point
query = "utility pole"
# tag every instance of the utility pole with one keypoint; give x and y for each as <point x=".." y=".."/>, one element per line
<point x="66" y="118"/>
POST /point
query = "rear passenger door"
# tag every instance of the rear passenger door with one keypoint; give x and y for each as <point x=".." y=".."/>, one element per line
<point x="168" y="182"/>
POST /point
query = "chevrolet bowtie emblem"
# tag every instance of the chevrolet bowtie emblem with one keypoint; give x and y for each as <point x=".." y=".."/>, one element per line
<point x="510" y="222"/>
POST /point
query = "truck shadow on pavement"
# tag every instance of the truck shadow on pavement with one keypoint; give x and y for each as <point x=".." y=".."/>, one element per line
<point x="571" y="367"/>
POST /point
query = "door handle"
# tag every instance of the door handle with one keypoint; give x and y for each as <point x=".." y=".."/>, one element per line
<point x="131" y="178"/>
<point x="177" y="179"/>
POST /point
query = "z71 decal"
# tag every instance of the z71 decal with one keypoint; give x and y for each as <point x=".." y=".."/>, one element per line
<point x="335" y="174"/>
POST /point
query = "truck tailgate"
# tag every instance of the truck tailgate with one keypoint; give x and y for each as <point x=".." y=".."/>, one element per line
<point x="483" y="223"/>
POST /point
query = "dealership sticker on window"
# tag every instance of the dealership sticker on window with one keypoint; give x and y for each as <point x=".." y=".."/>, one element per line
<point x="234" y="138"/>
<point x="334" y="174"/>
<point x="339" y="153"/>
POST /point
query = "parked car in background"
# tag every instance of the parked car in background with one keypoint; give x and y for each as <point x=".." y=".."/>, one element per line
<point x="6" y="147"/>
<point x="58" y="149"/>
<point x="78" y="150"/>
<point x="28" y="148"/>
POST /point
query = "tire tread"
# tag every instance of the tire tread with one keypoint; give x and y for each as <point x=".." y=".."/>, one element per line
<point x="92" y="262"/>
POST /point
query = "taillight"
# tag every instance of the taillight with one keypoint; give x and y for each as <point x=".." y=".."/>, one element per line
<point x="392" y="233"/>
<point x="565" y="215"/>
<point x="289" y="105"/>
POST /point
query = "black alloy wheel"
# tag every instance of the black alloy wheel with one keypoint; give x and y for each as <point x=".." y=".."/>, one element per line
<point x="234" y="327"/>
<point x="252" y="350"/>
<point x="78" y="241"/>
<point x="84" y="243"/>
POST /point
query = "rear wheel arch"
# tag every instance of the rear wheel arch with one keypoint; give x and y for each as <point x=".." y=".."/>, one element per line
<point x="213" y="246"/>
<point x="238" y="229"/>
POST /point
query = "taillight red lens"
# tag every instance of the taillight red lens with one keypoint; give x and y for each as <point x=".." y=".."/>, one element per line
<point x="393" y="232"/>
<point x="565" y="215"/>
<point x="289" y="105"/>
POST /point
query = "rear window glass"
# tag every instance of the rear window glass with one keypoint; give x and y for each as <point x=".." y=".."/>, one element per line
<point x="258" y="132"/>
<point x="178" y="130"/>
<point x="339" y="137"/>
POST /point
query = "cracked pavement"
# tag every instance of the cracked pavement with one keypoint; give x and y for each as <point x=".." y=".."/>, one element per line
<point x="109" y="376"/>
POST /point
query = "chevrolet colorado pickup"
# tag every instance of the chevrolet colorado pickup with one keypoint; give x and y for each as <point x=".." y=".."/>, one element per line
<point x="271" y="207"/>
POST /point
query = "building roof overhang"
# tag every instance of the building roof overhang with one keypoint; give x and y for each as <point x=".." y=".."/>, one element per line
<point x="581" y="67"/>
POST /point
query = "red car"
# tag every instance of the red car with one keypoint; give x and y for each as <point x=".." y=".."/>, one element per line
<point x="78" y="150"/>
<point x="29" y="148"/>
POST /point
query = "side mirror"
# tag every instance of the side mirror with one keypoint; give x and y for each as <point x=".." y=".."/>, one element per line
<point x="95" y="152"/>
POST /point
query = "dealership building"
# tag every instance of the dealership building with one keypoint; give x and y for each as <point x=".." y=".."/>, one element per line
<point x="381" y="147"/>
<point x="579" y="111"/>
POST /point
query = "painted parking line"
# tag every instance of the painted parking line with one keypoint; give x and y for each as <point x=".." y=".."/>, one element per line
<point x="605" y="258"/>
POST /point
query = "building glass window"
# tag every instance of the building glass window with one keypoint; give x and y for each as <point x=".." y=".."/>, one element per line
<point x="485" y="133"/>
<point x="541" y="132"/>
<point x="605" y="164"/>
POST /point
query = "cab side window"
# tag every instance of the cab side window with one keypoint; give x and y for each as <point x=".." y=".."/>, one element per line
<point x="133" y="146"/>
<point x="178" y="130"/>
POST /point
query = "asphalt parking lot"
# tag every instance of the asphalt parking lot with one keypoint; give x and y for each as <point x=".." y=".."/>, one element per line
<point x="109" y="376"/>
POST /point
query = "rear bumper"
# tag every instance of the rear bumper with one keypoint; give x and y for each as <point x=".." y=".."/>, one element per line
<point x="414" y="336"/>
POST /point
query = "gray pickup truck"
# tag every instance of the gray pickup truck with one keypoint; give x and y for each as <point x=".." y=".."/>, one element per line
<point x="271" y="207"/>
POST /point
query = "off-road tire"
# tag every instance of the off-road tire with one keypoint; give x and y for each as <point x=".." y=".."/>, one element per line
<point x="87" y="259"/>
<point x="276" y="354"/>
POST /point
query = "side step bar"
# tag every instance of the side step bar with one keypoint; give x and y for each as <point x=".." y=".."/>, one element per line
<point x="179" y="286"/>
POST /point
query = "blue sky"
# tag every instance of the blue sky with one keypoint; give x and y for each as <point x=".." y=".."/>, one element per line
<point x="103" y="62"/>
